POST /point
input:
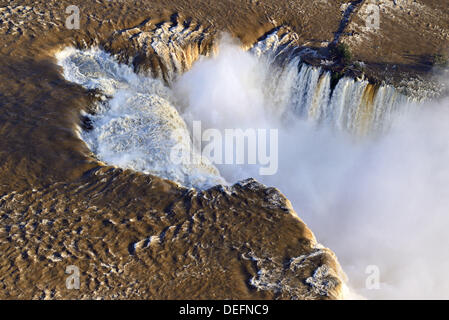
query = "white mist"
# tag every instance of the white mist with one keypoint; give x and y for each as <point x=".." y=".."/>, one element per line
<point x="381" y="201"/>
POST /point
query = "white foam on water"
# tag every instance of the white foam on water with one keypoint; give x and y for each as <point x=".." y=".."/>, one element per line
<point x="139" y="125"/>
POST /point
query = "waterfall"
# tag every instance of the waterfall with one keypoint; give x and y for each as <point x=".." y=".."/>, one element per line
<point x="139" y="126"/>
<point x="355" y="106"/>
<point x="170" y="49"/>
